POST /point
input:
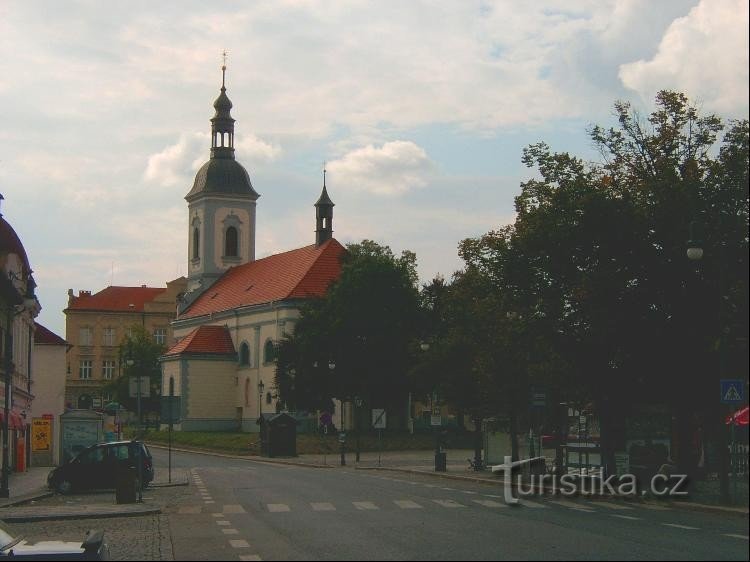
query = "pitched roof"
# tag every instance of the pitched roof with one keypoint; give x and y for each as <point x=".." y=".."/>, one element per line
<point x="302" y="273"/>
<point x="45" y="336"/>
<point x="205" y="339"/>
<point x="115" y="299"/>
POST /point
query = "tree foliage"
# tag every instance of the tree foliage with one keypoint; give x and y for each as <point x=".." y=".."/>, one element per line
<point x="364" y="327"/>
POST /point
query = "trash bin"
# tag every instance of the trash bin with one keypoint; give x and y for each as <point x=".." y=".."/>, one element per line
<point x="440" y="462"/>
<point x="126" y="484"/>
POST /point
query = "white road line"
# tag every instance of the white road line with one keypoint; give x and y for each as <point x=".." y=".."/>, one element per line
<point x="627" y="517"/>
<point x="250" y="557"/>
<point x="613" y="505"/>
<point x="223" y="522"/>
<point x="448" y="503"/>
<point x="532" y="505"/>
<point x="653" y="507"/>
<point x="322" y="506"/>
<point x="277" y="507"/>
<point x="239" y="543"/>
<point x="470" y="492"/>
<point x="217" y="514"/>
<point x="407" y="504"/>
<point x="732" y="536"/>
<point x="571" y="505"/>
<point x="230" y="531"/>
<point x="233" y="508"/>
<point x="676" y="526"/>
<point x="364" y="506"/>
<point x="490" y="503"/>
<point x="448" y="489"/>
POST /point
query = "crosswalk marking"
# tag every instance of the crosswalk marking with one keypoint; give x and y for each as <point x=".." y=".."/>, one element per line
<point x="217" y="515"/>
<point x="613" y="505"/>
<point x="322" y="506"/>
<point x="448" y="503"/>
<point x="277" y="507"/>
<point x="239" y="543"/>
<point x="407" y="504"/>
<point x="365" y="505"/>
<point x="532" y="505"/>
<point x="223" y="522"/>
<point x="676" y="526"/>
<point x="233" y="508"/>
<point x="572" y="505"/>
<point x="490" y="503"/>
<point x="250" y="557"/>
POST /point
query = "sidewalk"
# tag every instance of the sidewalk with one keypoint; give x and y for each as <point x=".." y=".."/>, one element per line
<point x="26" y="486"/>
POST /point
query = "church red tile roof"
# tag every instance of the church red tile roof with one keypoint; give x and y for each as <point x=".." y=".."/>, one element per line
<point x="45" y="336"/>
<point x="302" y="273"/>
<point x="115" y="299"/>
<point x="205" y="339"/>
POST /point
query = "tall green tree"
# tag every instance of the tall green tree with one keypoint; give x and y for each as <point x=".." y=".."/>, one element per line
<point x="140" y="347"/>
<point x="364" y="328"/>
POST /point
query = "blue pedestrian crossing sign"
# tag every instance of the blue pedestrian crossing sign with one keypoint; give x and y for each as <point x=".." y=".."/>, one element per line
<point x="732" y="391"/>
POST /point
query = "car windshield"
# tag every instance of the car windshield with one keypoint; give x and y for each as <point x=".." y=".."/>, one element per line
<point x="6" y="540"/>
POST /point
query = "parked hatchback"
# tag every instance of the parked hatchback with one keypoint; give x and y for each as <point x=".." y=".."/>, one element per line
<point x="96" y="467"/>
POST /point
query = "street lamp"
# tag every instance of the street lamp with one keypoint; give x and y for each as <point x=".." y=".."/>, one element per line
<point x="261" y="386"/>
<point x="694" y="246"/>
<point x="357" y="406"/>
<point x="129" y="361"/>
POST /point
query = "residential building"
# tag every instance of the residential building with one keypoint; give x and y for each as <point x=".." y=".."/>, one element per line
<point x="49" y="360"/>
<point x="18" y="308"/>
<point x="237" y="308"/>
<point x="96" y="324"/>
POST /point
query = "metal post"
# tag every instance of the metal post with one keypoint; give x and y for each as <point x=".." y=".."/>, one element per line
<point x="4" y="490"/>
<point x="138" y="448"/>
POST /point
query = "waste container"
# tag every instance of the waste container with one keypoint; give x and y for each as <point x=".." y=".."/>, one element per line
<point x="126" y="484"/>
<point x="440" y="462"/>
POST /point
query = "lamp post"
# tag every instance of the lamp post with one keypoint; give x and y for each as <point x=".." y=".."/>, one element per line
<point x="357" y="406"/>
<point x="695" y="253"/>
<point x="130" y="362"/>
<point x="261" y="386"/>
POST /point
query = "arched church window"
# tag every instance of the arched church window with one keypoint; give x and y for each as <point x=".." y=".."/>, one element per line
<point x="269" y="352"/>
<point x="244" y="354"/>
<point x="230" y="242"/>
<point x="196" y="243"/>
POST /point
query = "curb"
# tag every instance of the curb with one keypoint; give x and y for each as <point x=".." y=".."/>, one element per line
<point x="28" y="518"/>
<point x="240" y="457"/>
<point x="26" y="498"/>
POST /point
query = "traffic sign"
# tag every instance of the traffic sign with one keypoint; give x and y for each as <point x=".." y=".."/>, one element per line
<point x="732" y="391"/>
<point x="378" y="418"/>
<point x="170" y="409"/>
<point x="145" y="387"/>
<point x="436" y="420"/>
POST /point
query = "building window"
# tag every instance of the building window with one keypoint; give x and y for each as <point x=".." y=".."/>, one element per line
<point x="109" y="336"/>
<point x="86" y="336"/>
<point x="108" y="369"/>
<point x="269" y="352"/>
<point x="196" y="243"/>
<point x="244" y="354"/>
<point x="160" y="336"/>
<point x="106" y="398"/>
<point x="231" y="249"/>
<point x="84" y="371"/>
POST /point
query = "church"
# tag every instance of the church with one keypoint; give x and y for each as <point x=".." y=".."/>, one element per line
<point x="237" y="308"/>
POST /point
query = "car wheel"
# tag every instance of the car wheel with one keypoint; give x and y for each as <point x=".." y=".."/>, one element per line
<point x="64" y="486"/>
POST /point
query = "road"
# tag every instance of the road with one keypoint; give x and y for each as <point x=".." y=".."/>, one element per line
<point x="244" y="510"/>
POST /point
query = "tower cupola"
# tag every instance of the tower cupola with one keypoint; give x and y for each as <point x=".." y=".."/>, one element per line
<point x="323" y="216"/>
<point x="222" y="124"/>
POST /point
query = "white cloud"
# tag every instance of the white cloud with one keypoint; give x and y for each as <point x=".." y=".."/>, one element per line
<point x="177" y="163"/>
<point x="704" y="54"/>
<point x="394" y="168"/>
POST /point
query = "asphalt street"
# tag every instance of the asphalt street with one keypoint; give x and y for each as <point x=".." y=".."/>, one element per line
<point x="245" y="510"/>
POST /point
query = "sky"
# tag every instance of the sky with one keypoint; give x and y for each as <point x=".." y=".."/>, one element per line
<point x="421" y="110"/>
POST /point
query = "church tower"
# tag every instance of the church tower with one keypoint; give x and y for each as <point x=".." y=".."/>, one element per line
<point x="221" y="206"/>
<point x="323" y="216"/>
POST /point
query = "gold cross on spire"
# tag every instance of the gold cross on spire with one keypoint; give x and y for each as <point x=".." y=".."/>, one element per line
<point x="224" y="56"/>
<point x="324" y="173"/>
